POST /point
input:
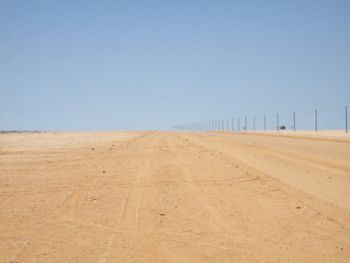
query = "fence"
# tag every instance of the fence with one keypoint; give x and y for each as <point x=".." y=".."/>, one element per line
<point x="316" y="120"/>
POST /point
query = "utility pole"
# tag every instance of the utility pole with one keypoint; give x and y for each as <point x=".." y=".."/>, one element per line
<point x="294" y="120"/>
<point x="316" y="120"/>
<point x="254" y="122"/>
<point x="239" y="124"/>
<point x="278" y="122"/>
<point x="233" y="124"/>
<point x="346" y="119"/>
<point x="264" y="122"/>
<point x="245" y="123"/>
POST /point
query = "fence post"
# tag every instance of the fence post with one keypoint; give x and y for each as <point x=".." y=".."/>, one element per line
<point x="278" y="122"/>
<point x="294" y="120"/>
<point x="346" y="119"/>
<point x="316" y="120"/>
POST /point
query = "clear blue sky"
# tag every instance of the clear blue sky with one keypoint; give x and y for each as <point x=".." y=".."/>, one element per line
<point x="109" y="65"/>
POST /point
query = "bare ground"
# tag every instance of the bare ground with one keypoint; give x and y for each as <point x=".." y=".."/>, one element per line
<point x="173" y="197"/>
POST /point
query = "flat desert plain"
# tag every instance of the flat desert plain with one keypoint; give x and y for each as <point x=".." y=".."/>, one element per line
<point x="174" y="197"/>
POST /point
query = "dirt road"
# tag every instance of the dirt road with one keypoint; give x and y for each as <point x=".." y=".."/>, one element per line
<point x="173" y="197"/>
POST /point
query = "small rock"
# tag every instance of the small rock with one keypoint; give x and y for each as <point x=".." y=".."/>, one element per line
<point x="162" y="214"/>
<point x="92" y="148"/>
<point x="298" y="207"/>
<point x="103" y="172"/>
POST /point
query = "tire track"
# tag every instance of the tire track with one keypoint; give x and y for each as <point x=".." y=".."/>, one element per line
<point x="68" y="205"/>
<point x="304" y="199"/>
<point x="130" y="216"/>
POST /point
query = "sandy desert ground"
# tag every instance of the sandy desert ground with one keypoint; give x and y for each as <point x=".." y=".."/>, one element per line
<point x="173" y="197"/>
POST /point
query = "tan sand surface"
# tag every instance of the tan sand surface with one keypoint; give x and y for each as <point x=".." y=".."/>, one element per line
<point x="174" y="197"/>
<point x="323" y="134"/>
